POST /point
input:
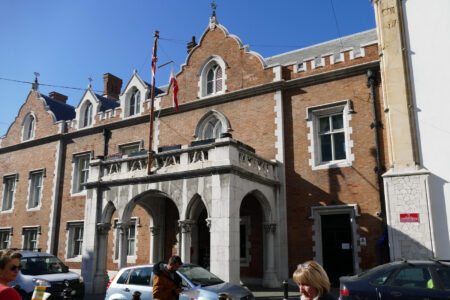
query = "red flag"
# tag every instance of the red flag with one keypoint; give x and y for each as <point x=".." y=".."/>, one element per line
<point x="174" y="83"/>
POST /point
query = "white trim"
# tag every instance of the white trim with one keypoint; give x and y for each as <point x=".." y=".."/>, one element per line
<point x="25" y="125"/>
<point x="70" y="225"/>
<point x="38" y="207"/>
<point x="15" y="179"/>
<point x="75" y="174"/>
<point x="203" y="73"/>
<point x="312" y="114"/>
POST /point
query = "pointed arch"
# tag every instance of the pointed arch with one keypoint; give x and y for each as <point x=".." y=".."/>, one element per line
<point x="211" y="125"/>
<point x="87" y="112"/>
<point x="29" y="126"/>
<point x="212" y="76"/>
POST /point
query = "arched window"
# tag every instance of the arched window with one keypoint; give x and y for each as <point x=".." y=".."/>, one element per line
<point x="87" y="115"/>
<point x="135" y="103"/>
<point x="212" y="125"/>
<point x="28" y="127"/>
<point x="214" y="80"/>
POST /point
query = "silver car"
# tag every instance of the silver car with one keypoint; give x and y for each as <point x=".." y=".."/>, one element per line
<point x="203" y="284"/>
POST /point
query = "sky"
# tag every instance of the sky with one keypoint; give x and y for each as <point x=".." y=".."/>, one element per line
<point x="67" y="42"/>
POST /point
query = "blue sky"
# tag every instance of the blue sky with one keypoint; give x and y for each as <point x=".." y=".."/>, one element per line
<point x="69" y="41"/>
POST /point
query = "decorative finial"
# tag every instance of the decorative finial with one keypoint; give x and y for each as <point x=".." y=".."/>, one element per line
<point x="90" y="82"/>
<point x="213" y="20"/>
<point x="35" y="85"/>
<point x="213" y="6"/>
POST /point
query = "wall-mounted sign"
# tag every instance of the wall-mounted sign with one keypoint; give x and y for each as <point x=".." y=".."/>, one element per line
<point x="409" y="218"/>
<point x="362" y="241"/>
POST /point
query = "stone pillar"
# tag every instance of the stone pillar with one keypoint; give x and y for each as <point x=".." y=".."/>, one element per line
<point x="101" y="278"/>
<point x="186" y="237"/>
<point x="123" y="243"/>
<point x="156" y="240"/>
<point x="270" y="277"/>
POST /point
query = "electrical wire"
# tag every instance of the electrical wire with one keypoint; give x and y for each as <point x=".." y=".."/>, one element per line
<point x="49" y="85"/>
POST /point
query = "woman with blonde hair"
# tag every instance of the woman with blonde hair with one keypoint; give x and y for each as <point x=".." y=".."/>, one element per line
<point x="9" y="268"/>
<point x="312" y="281"/>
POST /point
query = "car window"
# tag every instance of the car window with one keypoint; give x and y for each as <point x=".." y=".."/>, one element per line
<point x="42" y="265"/>
<point x="413" y="277"/>
<point x="372" y="270"/>
<point x="141" y="276"/>
<point x="123" y="278"/>
<point x="199" y="276"/>
<point x="381" y="278"/>
<point x="444" y="275"/>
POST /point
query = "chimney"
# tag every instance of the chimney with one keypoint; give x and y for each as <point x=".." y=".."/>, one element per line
<point x="112" y="86"/>
<point x="57" y="96"/>
<point x="191" y="44"/>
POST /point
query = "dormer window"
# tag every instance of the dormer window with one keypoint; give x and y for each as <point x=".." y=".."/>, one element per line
<point x="212" y="125"/>
<point x="87" y="113"/>
<point x="214" y="80"/>
<point x="135" y="103"/>
<point x="29" y="125"/>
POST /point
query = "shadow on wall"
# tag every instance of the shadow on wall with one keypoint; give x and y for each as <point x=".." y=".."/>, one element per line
<point x="440" y="218"/>
<point x="407" y="247"/>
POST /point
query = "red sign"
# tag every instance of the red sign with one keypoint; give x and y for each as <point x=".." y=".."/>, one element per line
<point x="409" y="218"/>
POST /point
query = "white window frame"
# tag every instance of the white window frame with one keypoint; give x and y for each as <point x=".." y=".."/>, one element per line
<point x="87" y="114"/>
<point x="135" y="102"/>
<point x="5" y="237"/>
<point x="74" y="227"/>
<point x="28" y="232"/>
<point x="32" y="190"/>
<point x="313" y="114"/>
<point x="9" y="188"/>
<point x="211" y="63"/>
<point x="29" y="127"/>
<point x="123" y="147"/>
<point x="131" y="258"/>
<point x="77" y="158"/>
<point x="217" y="118"/>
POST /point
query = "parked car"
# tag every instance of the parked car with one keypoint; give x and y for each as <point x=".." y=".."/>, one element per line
<point x="48" y="269"/>
<point x="140" y="278"/>
<point x="399" y="280"/>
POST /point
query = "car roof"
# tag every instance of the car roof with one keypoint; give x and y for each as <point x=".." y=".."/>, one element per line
<point x="421" y="262"/>
<point x="151" y="266"/>
<point x="28" y="253"/>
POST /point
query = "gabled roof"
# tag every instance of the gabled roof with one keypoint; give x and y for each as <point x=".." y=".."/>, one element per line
<point x="354" y="42"/>
<point x="61" y="110"/>
<point x="107" y="103"/>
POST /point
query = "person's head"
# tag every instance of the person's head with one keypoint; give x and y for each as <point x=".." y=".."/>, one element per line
<point x="9" y="265"/>
<point x="312" y="280"/>
<point x="174" y="263"/>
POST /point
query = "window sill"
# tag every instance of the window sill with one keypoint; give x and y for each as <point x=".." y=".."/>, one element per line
<point x="332" y="164"/>
<point x="77" y="258"/>
<point x="34" y="208"/>
<point x="77" y="194"/>
<point x="8" y="211"/>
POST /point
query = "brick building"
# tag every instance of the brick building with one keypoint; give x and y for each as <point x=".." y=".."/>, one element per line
<point x="268" y="162"/>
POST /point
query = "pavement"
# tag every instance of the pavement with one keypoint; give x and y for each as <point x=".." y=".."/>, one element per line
<point x="260" y="293"/>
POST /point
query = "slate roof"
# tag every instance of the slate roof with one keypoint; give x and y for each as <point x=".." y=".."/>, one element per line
<point x="107" y="103"/>
<point x="353" y="41"/>
<point x="61" y="110"/>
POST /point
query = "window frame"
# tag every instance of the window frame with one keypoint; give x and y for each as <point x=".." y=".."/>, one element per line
<point x="131" y="258"/>
<point x="77" y="171"/>
<point x="134" y="103"/>
<point x="26" y="233"/>
<point x="122" y="148"/>
<point x="9" y="191"/>
<point x="87" y="114"/>
<point x="72" y="240"/>
<point x="212" y="63"/>
<point x="313" y="116"/>
<point x="5" y="232"/>
<point x="29" y="127"/>
<point x="32" y="194"/>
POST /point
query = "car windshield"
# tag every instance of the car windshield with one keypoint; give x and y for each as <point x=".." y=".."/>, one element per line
<point x="199" y="276"/>
<point x="42" y="265"/>
<point x="373" y="270"/>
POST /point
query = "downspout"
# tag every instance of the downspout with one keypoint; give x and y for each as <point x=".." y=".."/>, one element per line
<point x="106" y="137"/>
<point x="372" y="82"/>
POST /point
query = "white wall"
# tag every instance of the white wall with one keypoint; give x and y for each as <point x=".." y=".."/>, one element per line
<point x="428" y="33"/>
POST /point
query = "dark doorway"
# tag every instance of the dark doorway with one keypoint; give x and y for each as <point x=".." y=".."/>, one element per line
<point x="203" y="240"/>
<point x="337" y="246"/>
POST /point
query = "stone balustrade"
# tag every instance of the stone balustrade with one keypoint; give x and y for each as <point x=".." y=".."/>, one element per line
<point x="224" y="153"/>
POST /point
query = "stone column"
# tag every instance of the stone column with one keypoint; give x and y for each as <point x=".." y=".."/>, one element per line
<point x="186" y="228"/>
<point x="156" y="239"/>
<point x="101" y="277"/>
<point x="123" y="245"/>
<point x="270" y="277"/>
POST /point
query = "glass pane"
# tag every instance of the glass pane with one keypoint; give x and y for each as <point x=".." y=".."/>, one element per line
<point x="132" y="104"/>
<point x="123" y="277"/>
<point x="140" y="276"/>
<point x="210" y="87"/>
<point x="325" y="147"/>
<point x="209" y="130"/>
<point x="138" y="102"/>
<point x="219" y="79"/>
<point x="324" y="124"/>
<point x="339" y="146"/>
<point x="413" y="278"/>
<point x="218" y="130"/>
<point x="444" y="275"/>
<point x="338" y="122"/>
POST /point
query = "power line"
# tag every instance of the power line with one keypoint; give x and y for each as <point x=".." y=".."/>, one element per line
<point x="49" y="85"/>
<point x="337" y="25"/>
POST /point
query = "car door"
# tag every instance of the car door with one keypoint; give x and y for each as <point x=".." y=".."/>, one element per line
<point x="140" y="280"/>
<point x="443" y="276"/>
<point x="410" y="283"/>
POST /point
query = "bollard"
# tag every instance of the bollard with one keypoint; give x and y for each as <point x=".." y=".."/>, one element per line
<point x="285" y="288"/>
<point x="136" y="295"/>
<point x="223" y="296"/>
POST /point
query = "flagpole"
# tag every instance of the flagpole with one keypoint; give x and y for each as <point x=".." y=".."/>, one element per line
<point x="150" y="139"/>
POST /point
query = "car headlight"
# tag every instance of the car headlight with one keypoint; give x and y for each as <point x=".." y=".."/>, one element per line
<point x="81" y="279"/>
<point x="41" y="282"/>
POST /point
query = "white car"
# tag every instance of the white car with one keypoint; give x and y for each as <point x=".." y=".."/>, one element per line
<point x="48" y="270"/>
<point x="203" y="284"/>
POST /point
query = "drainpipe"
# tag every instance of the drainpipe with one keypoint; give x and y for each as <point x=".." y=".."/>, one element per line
<point x="106" y="137"/>
<point x="372" y="82"/>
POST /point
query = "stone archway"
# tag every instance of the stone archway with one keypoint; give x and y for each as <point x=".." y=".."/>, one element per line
<point x="200" y="246"/>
